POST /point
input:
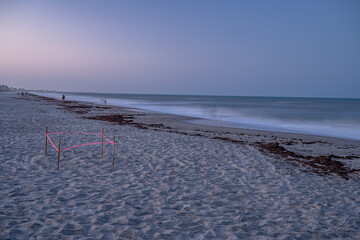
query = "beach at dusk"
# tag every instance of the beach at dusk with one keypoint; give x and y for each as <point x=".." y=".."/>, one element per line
<point x="210" y="119"/>
<point x="171" y="179"/>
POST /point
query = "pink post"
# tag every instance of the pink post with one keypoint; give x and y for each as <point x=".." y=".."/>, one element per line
<point x="58" y="155"/>
<point x="113" y="162"/>
<point x="46" y="131"/>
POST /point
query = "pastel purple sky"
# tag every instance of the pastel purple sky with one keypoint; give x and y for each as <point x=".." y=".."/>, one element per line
<point x="305" y="48"/>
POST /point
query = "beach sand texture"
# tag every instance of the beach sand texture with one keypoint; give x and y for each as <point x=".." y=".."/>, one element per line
<point x="164" y="185"/>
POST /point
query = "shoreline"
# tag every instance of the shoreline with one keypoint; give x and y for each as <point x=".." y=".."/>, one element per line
<point x="197" y="119"/>
<point x="324" y="155"/>
<point x="217" y="127"/>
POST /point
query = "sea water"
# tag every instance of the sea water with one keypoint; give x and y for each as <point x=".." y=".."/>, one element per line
<point x="318" y="116"/>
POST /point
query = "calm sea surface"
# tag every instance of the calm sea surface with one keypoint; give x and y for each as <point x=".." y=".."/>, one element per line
<point x="318" y="116"/>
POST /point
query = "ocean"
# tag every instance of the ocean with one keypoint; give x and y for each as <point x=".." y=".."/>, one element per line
<point x="332" y="117"/>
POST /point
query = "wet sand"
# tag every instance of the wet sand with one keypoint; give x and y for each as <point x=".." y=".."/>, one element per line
<point x="172" y="179"/>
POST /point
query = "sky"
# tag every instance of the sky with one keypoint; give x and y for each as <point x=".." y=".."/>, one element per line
<point x="308" y="48"/>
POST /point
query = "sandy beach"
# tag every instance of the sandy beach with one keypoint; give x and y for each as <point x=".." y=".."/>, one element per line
<point x="172" y="179"/>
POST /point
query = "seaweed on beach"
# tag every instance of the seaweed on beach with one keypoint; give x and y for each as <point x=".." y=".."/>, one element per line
<point x="319" y="164"/>
<point x="229" y="140"/>
<point x="119" y="119"/>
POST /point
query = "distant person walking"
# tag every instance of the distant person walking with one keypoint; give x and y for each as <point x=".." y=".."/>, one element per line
<point x="63" y="97"/>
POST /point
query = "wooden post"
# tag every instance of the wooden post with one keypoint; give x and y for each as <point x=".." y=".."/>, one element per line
<point x="113" y="162"/>
<point x="46" y="140"/>
<point x="102" y="140"/>
<point x="58" y="155"/>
